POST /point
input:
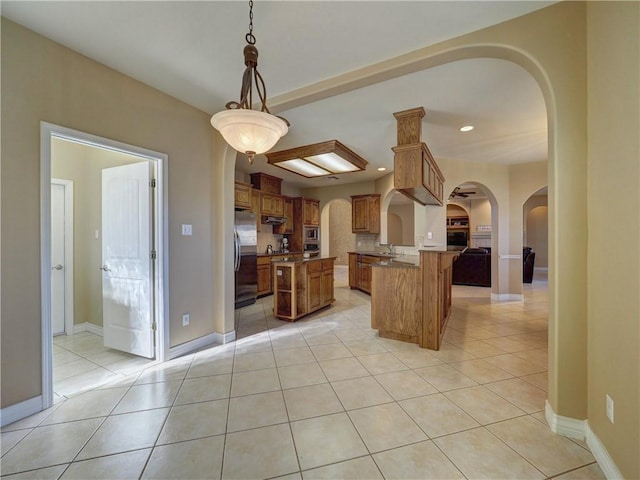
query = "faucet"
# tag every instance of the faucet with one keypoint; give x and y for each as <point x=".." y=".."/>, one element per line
<point x="390" y="247"/>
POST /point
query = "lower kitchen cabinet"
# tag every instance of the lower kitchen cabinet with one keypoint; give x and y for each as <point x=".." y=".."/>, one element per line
<point x="302" y="287"/>
<point x="264" y="276"/>
<point x="360" y="271"/>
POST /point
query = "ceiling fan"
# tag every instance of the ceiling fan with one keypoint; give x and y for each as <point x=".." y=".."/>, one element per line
<point x="457" y="193"/>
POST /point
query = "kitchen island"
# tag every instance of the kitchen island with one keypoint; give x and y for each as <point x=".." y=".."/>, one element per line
<point x="411" y="297"/>
<point x="302" y="286"/>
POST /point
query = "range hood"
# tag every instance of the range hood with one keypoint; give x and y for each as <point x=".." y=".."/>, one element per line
<point x="273" y="220"/>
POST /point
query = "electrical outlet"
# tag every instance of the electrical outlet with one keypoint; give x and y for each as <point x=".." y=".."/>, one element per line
<point x="359" y="244"/>
<point x="610" y="408"/>
<point x="429" y="235"/>
<point x="185" y="319"/>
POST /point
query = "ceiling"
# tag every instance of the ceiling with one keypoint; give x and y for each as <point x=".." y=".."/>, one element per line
<point x="193" y="51"/>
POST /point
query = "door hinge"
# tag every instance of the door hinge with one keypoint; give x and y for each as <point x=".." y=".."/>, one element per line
<point x="152" y="183"/>
<point x="153" y="254"/>
<point x="154" y="326"/>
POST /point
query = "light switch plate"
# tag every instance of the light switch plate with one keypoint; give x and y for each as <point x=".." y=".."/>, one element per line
<point x="186" y="318"/>
<point x="187" y="229"/>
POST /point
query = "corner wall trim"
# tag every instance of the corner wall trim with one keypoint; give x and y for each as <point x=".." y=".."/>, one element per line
<point x="569" y="427"/>
<point x="581" y="430"/>
<point x="21" y="410"/>
<point x="223" y="338"/>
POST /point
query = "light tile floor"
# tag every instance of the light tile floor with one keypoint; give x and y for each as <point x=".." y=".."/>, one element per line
<point x="81" y="362"/>
<point x="324" y="397"/>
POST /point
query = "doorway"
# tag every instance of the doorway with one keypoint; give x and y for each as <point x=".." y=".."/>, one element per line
<point x="133" y="332"/>
<point x="61" y="256"/>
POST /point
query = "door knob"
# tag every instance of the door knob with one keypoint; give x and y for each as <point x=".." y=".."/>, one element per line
<point x="57" y="267"/>
<point x="105" y="268"/>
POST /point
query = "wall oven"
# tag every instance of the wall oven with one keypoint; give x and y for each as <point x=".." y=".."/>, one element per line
<point x="311" y="234"/>
<point x="313" y="249"/>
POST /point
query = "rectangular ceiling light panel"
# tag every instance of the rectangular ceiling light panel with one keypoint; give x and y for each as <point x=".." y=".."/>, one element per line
<point x="318" y="160"/>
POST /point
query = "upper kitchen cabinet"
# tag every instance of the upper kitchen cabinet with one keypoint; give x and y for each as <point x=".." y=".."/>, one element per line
<point x="365" y="213"/>
<point x="416" y="174"/>
<point x="266" y="183"/>
<point x="287" y="226"/>
<point x="310" y="211"/>
<point x="255" y="206"/>
<point x="271" y="204"/>
<point x="242" y="196"/>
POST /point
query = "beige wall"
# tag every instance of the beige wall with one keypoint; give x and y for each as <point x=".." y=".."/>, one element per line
<point x="536" y="231"/>
<point x="341" y="238"/>
<point x="43" y="81"/>
<point x="614" y="228"/>
<point x="405" y="230"/>
<point x="83" y="165"/>
<point x="553" y="44"/>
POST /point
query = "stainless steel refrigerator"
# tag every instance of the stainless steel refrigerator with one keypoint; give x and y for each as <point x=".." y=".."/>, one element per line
<point x="245" y="248"/>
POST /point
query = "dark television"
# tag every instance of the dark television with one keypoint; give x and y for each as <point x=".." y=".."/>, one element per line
<point x="458" y="239"/>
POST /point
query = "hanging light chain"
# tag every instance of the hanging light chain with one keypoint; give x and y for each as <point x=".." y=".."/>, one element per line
<point x="249" y="37"/>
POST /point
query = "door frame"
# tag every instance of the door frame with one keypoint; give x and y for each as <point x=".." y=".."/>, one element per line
<point x="160" y="232"/>
<point x="68" y="252"/>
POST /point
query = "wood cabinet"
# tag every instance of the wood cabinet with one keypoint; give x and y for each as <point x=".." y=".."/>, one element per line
<point x="411" y="303"/>
<point x="314" y="285"/>
<point x="302" y="287"/>
<point x="255" y="207"/>
<point x="271" y="204"/>
<point x="303" y="207"/>
<point x="360" y="271"/>
<point x="365" y="213"/>
<point x="415" y="173"/>
<point x="242" y="196"/>
<point x="353" y="270"/>
<point x="396" y="303"/>
<point x="264" y="276"/>
<point x="286" y="227"/>
<point x="266" y="183"/>
<point x="327" y="282"/>
<point x="310" y="212"/>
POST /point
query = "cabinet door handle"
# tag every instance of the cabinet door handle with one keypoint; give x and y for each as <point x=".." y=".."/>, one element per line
<point x="57" y="267"/>
<point x="105" y="268"/>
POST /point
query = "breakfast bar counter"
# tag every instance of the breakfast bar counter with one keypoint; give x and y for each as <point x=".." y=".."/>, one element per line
<point x="302" y="286"/>
<point x="411" y="300"/>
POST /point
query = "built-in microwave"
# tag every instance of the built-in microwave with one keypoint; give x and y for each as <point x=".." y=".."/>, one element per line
<point x="311" y="234"/>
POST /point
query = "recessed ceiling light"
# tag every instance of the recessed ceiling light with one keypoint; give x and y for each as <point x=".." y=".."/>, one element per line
<point x="466" y="128"/>
<point x="382" y="169"/>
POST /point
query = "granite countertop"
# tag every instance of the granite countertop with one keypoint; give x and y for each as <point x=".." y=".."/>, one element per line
<point x="303" y="260"/>
<point x="376" y="254"/>
<point x="399" y="261"/>
<point x="278" y="254"/>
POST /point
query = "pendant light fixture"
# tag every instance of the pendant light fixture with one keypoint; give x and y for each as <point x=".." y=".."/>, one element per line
<point x="251" y="132"/>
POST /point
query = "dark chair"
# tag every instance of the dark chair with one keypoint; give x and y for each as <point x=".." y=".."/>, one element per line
<point x="473" y="267"/>
<point x="528" y="259"/>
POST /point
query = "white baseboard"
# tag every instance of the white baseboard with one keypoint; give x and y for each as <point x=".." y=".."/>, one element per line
<point x="223" y="338"/>
<point x="21" y="410"/>
<point x="581" y="430"/>
<point x="569" y="427"/>
<point x="507" y="297"/>
<point x="199" y="344"/>
<point x="605" y="462"/>
<point x="87" y="327"/>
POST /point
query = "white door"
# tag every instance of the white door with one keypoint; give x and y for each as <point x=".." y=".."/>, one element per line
<point x="57" y="258"/>
<point x="127" y="286"/>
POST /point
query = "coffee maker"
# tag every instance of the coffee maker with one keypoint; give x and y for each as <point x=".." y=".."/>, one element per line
<point x="285" y="245"/>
